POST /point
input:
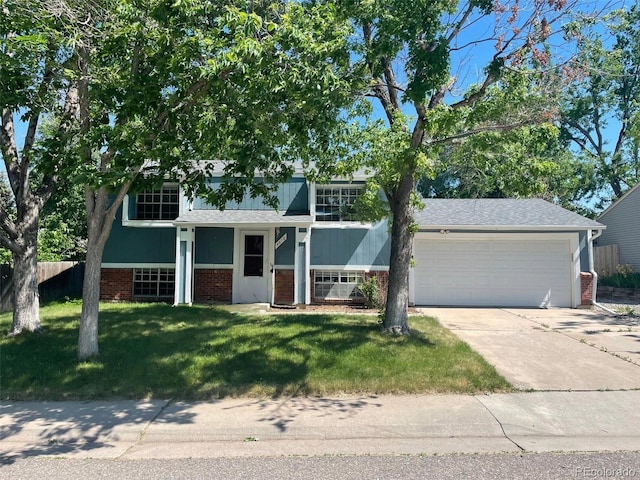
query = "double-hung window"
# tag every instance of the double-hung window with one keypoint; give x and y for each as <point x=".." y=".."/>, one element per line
<point x="334" y="203"/>
<point x="158" y="204"/>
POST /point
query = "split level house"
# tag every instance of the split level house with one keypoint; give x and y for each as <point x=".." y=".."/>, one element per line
<point x="480" y="252"/>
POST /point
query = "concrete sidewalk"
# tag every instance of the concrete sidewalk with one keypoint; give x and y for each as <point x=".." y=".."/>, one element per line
<point x="411" y="424"/>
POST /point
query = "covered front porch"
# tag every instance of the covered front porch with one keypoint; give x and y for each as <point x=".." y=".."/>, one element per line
<point x="242" y="256"/>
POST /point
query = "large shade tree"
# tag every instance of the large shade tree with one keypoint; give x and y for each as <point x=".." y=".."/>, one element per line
<point x="35" y="52"/>
<point x="526" y="162"/>
<point x="600" y="112"/>
<point x="161" y="84"/>
<point x="441" y="72"/>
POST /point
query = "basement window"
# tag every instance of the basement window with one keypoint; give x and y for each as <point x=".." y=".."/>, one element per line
<point x="154" y="282"/>
<point x="335" y="285"/>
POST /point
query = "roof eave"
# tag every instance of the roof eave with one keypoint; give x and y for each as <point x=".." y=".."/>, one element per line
<point x="243" y="224"/>
<point x="618" y="201"/>
<point x="545" y="228"/>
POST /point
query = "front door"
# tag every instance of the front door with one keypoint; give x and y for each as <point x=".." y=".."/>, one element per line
<point x="253" y="274"/>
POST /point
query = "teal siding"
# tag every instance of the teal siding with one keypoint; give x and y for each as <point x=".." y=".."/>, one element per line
<point x="293" y="197"/>
<point x="285" y="254"/>
<point x="351" y="246"/>
<point x="214" y="245"/>
<point x="139" y="245"/>
<point x="584" y="251"/>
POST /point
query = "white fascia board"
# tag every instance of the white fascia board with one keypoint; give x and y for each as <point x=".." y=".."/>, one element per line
<point x="507" y="228"/>
<point x="341" y="225"/>
<point x="351" y="268"/>
<point x="149" y="223"/>
<point x="138" y="265"/>
<point x="488" y="235"/>
<point x="261" y="226"/>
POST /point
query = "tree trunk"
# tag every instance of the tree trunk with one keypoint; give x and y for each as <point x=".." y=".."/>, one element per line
<point x="26" y="300"/>
<point x="98" y="229"/>
<point x="396" y="315"/>
<point x="88" y="334"/>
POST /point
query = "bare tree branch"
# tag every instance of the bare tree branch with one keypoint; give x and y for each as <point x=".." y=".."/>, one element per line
<point x="456" y="138"/>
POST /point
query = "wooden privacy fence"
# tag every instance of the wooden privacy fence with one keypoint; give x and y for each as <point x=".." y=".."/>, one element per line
<point x="56" y="280"/>
<point x="606" y="259"/>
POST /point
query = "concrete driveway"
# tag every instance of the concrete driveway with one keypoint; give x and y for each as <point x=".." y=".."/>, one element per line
<point x="551" y="349"/>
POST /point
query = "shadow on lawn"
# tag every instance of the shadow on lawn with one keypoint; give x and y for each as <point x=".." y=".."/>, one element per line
<point x="160" y="352"/>
<point x="182" y="353"/>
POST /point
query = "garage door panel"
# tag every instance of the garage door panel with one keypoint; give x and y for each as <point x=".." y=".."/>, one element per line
<point x="499" y="272"/>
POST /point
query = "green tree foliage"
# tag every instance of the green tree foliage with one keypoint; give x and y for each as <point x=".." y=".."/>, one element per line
<point x="63" y="225"/>
<point x="600" y="112"/>
<point x="160" y="84"/>
<point x="521" y="163"/>
<point x="35" y="53"/>
<point x="443" y="72"/>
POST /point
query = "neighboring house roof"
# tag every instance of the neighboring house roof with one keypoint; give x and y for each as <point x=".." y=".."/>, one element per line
<point x="622" y="199"/>
<point x="240" y="217"/>
<point x="500" y="214"/>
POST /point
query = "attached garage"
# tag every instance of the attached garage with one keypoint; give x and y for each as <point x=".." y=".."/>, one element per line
<point x="499" y="252"/>
<point x="495" y="270"/>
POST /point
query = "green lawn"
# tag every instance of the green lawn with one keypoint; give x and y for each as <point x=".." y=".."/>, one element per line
<point x="202" y="352"/>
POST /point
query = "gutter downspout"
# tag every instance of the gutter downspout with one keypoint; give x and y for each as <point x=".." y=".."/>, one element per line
<point x="590" y="238"/>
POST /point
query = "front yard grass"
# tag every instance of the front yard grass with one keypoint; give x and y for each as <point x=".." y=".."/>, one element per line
<point x="203" y="352"/>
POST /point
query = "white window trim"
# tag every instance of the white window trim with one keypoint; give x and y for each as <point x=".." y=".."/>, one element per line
<point x="157" y="282"/>
<point x="127" y="222"/>
<point x="314" y="205"/>
<point x="359" y="273"/>
<point x="351" y="268"/>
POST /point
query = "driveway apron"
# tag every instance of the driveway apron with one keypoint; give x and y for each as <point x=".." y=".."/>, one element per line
<point x="545" y="349"/>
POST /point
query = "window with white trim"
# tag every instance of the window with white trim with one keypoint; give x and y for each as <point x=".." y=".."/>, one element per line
<point x="154" y="282"/>
<point x="158" y="204"/>
<point x="334" y="203"/>
<point x="336" y="285"/>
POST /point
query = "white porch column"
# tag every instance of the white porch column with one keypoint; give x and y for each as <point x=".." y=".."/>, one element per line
<point x="185" y="239"/>
<point x="302" y="237"/>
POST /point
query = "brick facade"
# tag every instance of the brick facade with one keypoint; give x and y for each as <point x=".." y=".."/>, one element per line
<point x="116" y="284"/>
<point x="586" y="288"/>
<point x="284" y="287"/>
<point x="212" y="285"/>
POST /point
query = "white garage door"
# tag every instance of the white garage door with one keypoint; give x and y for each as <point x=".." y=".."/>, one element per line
<point x="502" y="271"/>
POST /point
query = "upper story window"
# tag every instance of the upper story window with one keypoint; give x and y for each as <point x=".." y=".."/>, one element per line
<point x="334" y="203"/>
<point x="158" y="204"/>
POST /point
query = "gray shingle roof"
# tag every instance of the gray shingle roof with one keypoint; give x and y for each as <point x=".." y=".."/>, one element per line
<point x="240" y="217"/>
<point x="500" y="213"/>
